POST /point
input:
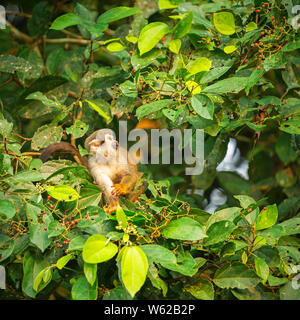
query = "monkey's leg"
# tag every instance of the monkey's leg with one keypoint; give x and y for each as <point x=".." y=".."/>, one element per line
<point x="105" y="184"/>
<point x="126" y="185"/>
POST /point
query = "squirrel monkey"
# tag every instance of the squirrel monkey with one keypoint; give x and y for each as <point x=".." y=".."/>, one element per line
<point x="112" y="167"/>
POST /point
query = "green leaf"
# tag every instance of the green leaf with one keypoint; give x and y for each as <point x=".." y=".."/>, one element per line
<point x="98" y="249"/>
<point x="117" y="13"/>
<point x="11" y="64"/>
<point x="82" y="290"/>
<point x="148" y="58"/>
<point x="56" y="105"/>
<point x="150" y="36"/>
<point x="61" y="262"/>
<point x="33" y="264"/>
<point x="63" y="193"/>
<point x="97" y="109"/>
<point x="234" y="84"/>
<point x="134" y="267"/>
<point x="251" y="26"/>
<point x="175" y="45"/>
<point x="184" y="228"/>
<point x="267" y="218"/>
<point x="255" y="76"/>
<point x="129" y="89"/>
<point x="78" y="129"/>
<point x="203" y="105"/>
<point x="261" y="267"/>
<point x="214" y="74"/>
<point x="66" y="20"/>
<point x="115" y="47"/>
<point x="159" y="253"/>
<point x="153" y="107"/>
<point x="44" y="276"/>
<point x="224" y="22"/>
<point x="230" y="49"/>
<point x="284" y="149"/>
<point x="166" y="4"/>
<point x="46" y="135"/>
<point x="39" y="236"/>
<point x="219" y="231"/>
<point x="202" y="290"/>
<point x="121" y="218"/>
<point x="184" y="26"/>
<point x="236" y="275"/>
<point x="5" y="127"/>
<point x="188" y="266"/>
<point x="27" y="176"/>
<point x="198" y="65"/>
<point x="78" y="242"/>
<point x="288" y="291"/>
<point x="7" y="209"/>
<point x="54" y="59"/>
<point x="90" y="272"/>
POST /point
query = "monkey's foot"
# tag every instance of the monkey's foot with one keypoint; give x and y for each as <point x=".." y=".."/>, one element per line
<point x="113" y="205"/>
<point x="119" y="189"/>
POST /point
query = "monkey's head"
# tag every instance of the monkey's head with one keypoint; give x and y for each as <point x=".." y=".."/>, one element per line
<point x="104" y="146"/>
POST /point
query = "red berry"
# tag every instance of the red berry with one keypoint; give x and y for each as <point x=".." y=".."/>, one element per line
<point x="260" y="43"/>
<point x="128" y="117"/>
<point x="72" y="223"/>
<point x="265" y="208"/>
<point x="250" y="210"/>
<point x="64" y="242"/>
<point x="76" y="221"/>
<point x="18" y="229"/>
<point x="262" y="33"/>
<point x="256" y="44"/>
<point x="260" y="56"/>
<point x="257" y="11"/>
<point x="258" y="68"/>
<point x="133" y="69"/>
<point x="168" y="220"/>
<point x="57" y="246"/>
<point x="272" y="17"/>
<point x="68" y="240"/>
<point x="51" y="207"/>
<point x="45" y="228"/>
<point x="263" y="5"/>
<point x="49" y="197"/>
<point x="207" y="42"/>
<point x="44" y="212"/>
<point x="67" y="223"/>
<point x="267" y="3"/>
<point x="85" y="217"/>
<point x="203" y="39"/>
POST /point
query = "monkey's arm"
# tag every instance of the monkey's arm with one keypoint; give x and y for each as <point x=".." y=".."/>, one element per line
<point x="65" y="146"/>
<point x="106" y="185"/>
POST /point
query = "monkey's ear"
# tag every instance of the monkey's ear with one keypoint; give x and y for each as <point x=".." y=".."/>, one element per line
<point x="94" y="143"/>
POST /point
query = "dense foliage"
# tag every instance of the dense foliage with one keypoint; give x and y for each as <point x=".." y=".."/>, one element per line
<point x="228" y="67"/>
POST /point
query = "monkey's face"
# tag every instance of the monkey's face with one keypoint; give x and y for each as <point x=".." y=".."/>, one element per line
<point x="105" y="149"/>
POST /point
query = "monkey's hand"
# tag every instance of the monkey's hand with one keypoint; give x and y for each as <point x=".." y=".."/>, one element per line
<point x="119" y="189"/>
<point x="113" y="205"/>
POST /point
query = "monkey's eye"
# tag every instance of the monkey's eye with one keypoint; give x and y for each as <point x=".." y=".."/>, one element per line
<point x="101" y="143"/>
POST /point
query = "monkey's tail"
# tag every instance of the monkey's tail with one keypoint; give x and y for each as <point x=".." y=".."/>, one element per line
<point x="65" y="146"/>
